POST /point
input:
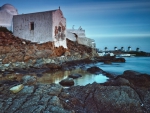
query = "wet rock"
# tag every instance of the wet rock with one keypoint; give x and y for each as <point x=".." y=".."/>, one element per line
<point x="1" y="75"/>
<point x="11" y="76"/>
<point x="46" y="61"/>
<point x="56" y="109"/>
<point x="53" y="66"/>
<point x="137" y="79"/>
<point x="94" y="70"/>
<point x="17" y="88"/>
<point x="107" y="62"/>
<point x="67" y="82"/>
<point x="55" y="89"/>
<point x="127" y="100"/>
<point x="96" y="98"/>
<point x="55" y="101"/>
<point x="121" y="60"/>
<point x="130" y="73"/>
<point x="74" y="76"/>
<point x="27" y="90"/>
<point x="10" y="82"/>
<point x="118" y="82"/>
<point x="27" y="80"/>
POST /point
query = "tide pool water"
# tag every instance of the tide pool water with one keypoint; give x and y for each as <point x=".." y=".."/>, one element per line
<point x="86" y="78"/>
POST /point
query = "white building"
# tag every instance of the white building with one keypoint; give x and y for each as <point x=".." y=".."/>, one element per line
<point x="41" y="27"/>
<point x="6" y="14"/>
<point x="129" y="48"/>
<point x="79" y="36"/>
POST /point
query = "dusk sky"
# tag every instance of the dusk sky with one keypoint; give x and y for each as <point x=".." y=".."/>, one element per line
<point x="100" y="18"/>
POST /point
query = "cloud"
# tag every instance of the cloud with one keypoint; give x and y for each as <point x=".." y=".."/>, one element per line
<point x="120" y="35"/>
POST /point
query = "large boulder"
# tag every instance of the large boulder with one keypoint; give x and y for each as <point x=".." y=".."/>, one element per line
<point x="67" y="82"/>
<point x="107" y="62"/>
<point x="130" y="73"/>
<point x="137" y="79"/>
<point x="96" y="98"/>
<point x="117" y="82"/>
<point x="120" y="60"/>
<point x="94" y="70"/>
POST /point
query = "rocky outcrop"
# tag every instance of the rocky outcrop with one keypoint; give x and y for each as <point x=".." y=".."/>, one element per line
<point x="110" y="59"/>
<point x="67" y="82"/>
<point x="121" y="94"/>
<point x="97" y="70"/>
<point x="94" y="70"/>
<point x="96" y="98"/>
<point x="18" y="53"/>
<point x="117" y="95"/>
<point x="39" y="98"/>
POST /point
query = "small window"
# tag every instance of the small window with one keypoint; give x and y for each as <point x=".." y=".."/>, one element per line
<point x="31" y="25"/>
<point x="59" y="29"/>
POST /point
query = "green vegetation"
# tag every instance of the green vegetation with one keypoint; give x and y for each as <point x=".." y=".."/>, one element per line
<point x="4" y="29"/>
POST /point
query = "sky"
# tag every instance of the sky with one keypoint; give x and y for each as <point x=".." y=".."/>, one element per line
<point x="99" y="18"/>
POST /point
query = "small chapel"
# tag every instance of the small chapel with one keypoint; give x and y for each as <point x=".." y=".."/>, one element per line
<point x="41" y="27"/>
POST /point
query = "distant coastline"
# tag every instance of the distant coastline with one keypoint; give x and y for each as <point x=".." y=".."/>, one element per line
<point x="133" y="42"/>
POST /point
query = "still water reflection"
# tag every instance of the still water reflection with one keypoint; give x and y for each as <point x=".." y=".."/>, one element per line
<point x="86" y="78"/>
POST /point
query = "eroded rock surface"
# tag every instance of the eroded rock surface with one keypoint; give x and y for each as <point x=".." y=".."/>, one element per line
<point x="117" y="95"/>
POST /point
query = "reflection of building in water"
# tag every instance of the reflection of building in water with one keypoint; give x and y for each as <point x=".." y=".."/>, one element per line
<point x="55" y="77"/>
<point x="41" y="27"/>
<point x="6" y="14"/>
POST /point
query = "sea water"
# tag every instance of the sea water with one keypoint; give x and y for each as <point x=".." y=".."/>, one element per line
<point x="139" y="64"/>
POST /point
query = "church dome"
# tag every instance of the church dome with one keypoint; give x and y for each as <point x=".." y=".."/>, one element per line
<point x="10" y="9"/>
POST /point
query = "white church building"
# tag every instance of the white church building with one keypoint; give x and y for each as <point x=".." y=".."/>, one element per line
<point x="6" y="14"/>
<point x="42" y="27"/>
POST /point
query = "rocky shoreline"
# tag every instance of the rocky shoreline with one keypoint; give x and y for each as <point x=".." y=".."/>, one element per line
<point x="127" y="93"/>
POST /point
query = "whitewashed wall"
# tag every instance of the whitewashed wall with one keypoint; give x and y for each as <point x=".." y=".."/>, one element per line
<point x="59" y="37"/>
<point x="80" y="36"/>
<point x="71" y="36"/>
<point x="6" y="20"/>
<point x="86" y="41"/>
<point x="42" y="26"/>
<point x="6" y="14"/>
<point x="78" y="32"/>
